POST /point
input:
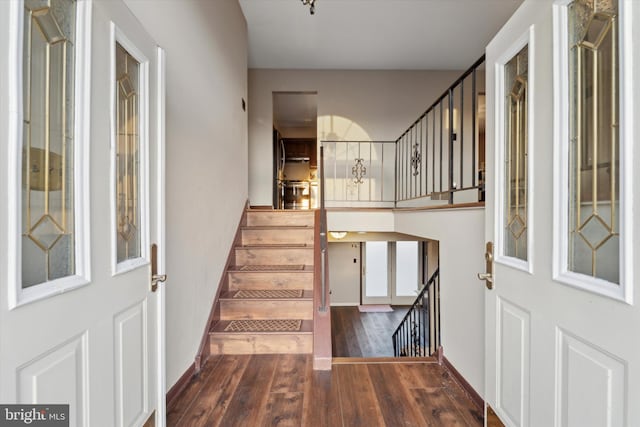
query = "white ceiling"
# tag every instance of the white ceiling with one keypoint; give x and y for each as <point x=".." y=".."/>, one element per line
<point x="372" y="34"/>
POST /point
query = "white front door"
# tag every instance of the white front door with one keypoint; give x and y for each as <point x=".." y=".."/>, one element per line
<point x="561" y="319"/>
<point x="80" y="117"/>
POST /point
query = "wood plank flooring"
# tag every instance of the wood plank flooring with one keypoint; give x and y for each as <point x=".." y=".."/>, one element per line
<point x="283" y="390"/>
<point x="355" y="334"/>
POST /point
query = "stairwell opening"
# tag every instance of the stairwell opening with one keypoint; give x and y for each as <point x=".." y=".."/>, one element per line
<point x="363" y="321"/>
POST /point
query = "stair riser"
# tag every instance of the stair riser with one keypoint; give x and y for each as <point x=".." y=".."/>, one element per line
<point x="274" y="256"/>
<point x="257" y="219"/>
<point x="249" y="343"/>
<point x="284" y="236"/>
<point x="265" y="309"/>
<point x="270" y="280"/>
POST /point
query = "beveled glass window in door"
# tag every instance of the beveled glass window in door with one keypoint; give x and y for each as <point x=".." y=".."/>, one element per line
<point x="127" y="156"/>
<point x="516" y="147"/>
<point x="48" y="249"/>
<point x="593" y="115"/>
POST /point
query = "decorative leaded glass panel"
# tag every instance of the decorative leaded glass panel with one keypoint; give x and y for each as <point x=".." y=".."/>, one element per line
<point x="594" y="242"/>
<point x="48" y="250"/>
<point x="516" y="146"/>
<point x="127" y="155"/>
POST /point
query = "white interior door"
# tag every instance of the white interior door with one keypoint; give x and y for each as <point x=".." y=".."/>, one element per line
<point x="81" y="119"/>
<point x="561" y="320"/>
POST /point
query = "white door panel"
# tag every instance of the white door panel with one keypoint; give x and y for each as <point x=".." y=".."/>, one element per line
<point x="590" y="384"/>
<point x="59" y="375"/>
<point x="557" y="353"/>
<point x="512" y="356"/>
<point x="92" y="344"/>
<point x="131" y="365"/>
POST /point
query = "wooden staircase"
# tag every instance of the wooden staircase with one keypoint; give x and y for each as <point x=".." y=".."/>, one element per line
<point x="266" y="303"/>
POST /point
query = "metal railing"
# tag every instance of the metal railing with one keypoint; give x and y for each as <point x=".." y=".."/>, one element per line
<point x="418" y="335"/>
<point x="442" y="152"/>
<point x="439" y="157"/>
<point x="359" y="173"/>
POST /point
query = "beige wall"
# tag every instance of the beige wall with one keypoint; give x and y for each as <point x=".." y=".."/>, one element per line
<point x="460" y="235"/>
<point x="206" y="133"/>
<point x="461" y="241"/>
<point x="365" y="105"/>
<point x="344" y="274"/>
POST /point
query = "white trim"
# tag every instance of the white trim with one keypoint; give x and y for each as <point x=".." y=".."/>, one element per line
<point x="561" y="273"/>
<point x="627" y="138"/>
<point x="161" y="349"/>
<point x="118" y="36"/>
<point x="82" y="112"/>
<point x="14" y="159"/>
<point x="527" y="39"/>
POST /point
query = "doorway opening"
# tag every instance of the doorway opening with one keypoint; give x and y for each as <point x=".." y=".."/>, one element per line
<point x="374" y="280"/>
<point x="295" y="148"/>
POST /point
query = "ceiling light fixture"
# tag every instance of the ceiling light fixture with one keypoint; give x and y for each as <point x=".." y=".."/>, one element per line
<point x="338" y="234"/>
<point x="311" y="4"/>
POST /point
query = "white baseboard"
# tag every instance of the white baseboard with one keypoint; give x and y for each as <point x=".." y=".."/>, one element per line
<point x="345" y="304"/>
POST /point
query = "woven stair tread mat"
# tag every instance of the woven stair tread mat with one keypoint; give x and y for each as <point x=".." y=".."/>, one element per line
<point x="271" y="267"/>
<point x="269" y="293"/>
<point x="264" y="326"/>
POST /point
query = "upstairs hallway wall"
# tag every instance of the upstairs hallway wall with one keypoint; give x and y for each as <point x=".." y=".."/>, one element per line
<point x="206" y="134"/>
<point x="352" y="105"/>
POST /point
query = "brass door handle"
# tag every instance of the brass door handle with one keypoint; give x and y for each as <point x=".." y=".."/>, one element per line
<point x="488" y="276"/>
<point x="155" y="277"/>
<point x="485" y="276"/>
<point x="158" y="278"/>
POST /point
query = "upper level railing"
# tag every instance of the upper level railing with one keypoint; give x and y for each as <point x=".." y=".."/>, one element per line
<point x="439" y="159"/>
<point x="359" y="173"/>
<point x="442" y="152"/>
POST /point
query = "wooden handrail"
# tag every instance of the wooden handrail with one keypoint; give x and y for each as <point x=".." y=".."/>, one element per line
<point x="322" y="355"/>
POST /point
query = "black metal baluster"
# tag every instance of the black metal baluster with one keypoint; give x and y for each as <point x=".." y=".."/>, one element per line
<point x="433" y="153"/>
<point x="461" y="184"/>
<point x="438" y="305"/>
<point x="452" y="137"/>
<point x="473" y="127"/>
<point x="427" y="343"/>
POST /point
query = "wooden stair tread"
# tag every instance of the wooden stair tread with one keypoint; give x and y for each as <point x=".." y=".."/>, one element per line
<point x="219" y="328"/>
<point x="230" y="295"/>
<point x="266" y="306"/>
<point x="277" y="246"/>
<point x="283" y="211"/>
<point x="277" y="227"/>
<point x="299" y="268"/>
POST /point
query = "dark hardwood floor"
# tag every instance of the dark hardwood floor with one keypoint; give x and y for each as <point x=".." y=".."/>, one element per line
<point x="283" y="390"/>
<point x="355" y="334"/>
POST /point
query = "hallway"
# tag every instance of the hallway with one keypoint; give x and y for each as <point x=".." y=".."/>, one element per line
<point x="283" y="390"/>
